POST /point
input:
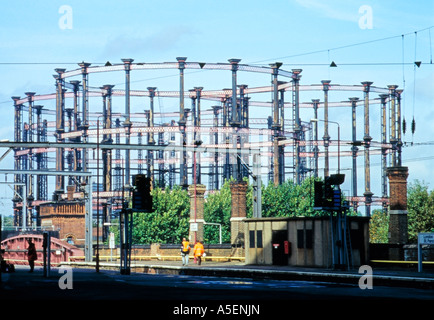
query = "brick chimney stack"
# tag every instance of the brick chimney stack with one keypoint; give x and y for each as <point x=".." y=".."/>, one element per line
<point x="238" y="213"/>
<point x="398" y="221"/>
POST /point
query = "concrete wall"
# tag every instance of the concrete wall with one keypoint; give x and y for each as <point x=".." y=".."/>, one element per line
<point x="309" y="240"/>
<point x="171" y="252"/>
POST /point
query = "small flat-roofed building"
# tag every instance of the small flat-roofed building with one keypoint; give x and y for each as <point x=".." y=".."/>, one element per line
<point x="307" y="241"/>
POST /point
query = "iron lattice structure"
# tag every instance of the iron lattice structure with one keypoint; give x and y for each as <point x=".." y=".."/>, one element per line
<point x="232" y="131"/>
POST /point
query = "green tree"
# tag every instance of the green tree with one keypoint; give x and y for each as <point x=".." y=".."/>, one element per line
<point x="217" y="209"/>
<point x="379" y="226"/>
<point x="168" y="223"/>
<point x="289" y="199"/>
<point x="420" y="207"/>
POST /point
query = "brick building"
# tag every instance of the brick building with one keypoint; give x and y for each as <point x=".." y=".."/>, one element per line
<point x="66" y="216"/>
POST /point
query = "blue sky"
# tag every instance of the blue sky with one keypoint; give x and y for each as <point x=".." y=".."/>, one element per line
<point x="306" y="34"/>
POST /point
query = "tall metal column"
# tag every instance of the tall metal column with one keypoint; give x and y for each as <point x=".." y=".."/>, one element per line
<point x="282" y="128"/>
<point x="276" y="125"/>
<point x="172" y="155"/>
<point x="299" y="170"/>
<point x="139" y="142"/>
<point x="383" y="98"/>
<point x="244" y="100"/>
<point x="24" y="166"/>
<point x="393" y="140"/>
<point x="197" y="137"/>
<point x="182" y="122"/>
<point x="214" y="168"/>
<point x="30" y="196"/>
<point x="399" y="130"/>
<point x="244" y="138"/>
<point x="70" y="153"/>
<point x="161" y="165"/>
<point x="85" y="114"/>
<point x="127" y="123"/>
<point x="18" y="178"/>
<point x="235" y="120"/>
<point x="326" y="137"/>
<point x="315" y="103"/>
<point x="367" y="140"/>
<point x="107" y="153"/>
<point x="75" y="125"/>
<point x="354" y="149"/>
<point x="270" y="160"/>
<point x="225" y="139"/>
<point x="60" y="129"/>
<point x="76" y="87"/>
<point x="41" y="180"/>
<point x="118" y="185"/>
<point x="151" y="140"/>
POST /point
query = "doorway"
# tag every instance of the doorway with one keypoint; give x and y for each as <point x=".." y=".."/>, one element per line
<point x="280" y="257"/>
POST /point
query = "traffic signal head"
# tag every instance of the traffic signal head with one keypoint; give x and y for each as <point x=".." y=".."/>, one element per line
<point x="328" y="192"/>
<point x="319" y="194"/>
<point x="142" y="198"/>
<point x="337" y="198"/>
<point x="335" y="179"/>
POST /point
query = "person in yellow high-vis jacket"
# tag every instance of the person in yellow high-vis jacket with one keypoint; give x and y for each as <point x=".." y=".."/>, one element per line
<point x="185" y="250"/>
<point x="198" y="252"/>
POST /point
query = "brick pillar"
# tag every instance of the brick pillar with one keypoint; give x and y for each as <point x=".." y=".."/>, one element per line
<point x="196" y="193"/>
<point x="238" y="212"/>
<point x="398" y="226"/>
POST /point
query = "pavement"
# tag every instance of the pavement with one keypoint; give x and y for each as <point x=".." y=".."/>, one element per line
<point x="100" y="289"/>
<point x="21" y="284"/>
<point x="386" y="276"/>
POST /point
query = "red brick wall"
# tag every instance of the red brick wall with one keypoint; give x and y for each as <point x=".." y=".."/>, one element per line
<point x="398" y="187"/>
<point x="69" y="217"/>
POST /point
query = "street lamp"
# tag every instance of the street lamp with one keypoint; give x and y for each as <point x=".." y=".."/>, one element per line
<point x="339" y="139"/>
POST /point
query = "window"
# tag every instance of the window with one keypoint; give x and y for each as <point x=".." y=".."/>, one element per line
<point x="251" y="239"/>
<point x="255" y="243"/>
<point x="304" y="239"/>
<point x="259" y="239"/>
<point x="70" y="240"/>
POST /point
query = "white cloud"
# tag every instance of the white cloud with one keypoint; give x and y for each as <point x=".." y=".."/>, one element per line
<point x="338" y="10"/>
<point x="138" y="44"/>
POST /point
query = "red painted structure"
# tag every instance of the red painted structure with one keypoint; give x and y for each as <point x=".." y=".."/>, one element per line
<point x="16" y="249"/>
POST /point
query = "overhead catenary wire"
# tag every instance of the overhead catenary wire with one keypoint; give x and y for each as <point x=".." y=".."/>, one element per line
<point x="343" y="46"/>
<point x="266" y="60"/>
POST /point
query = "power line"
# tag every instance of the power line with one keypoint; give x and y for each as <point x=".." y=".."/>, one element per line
<point x="344" y="46"/>
<point x="45" y="63"/>
<point x="358" y="64"/>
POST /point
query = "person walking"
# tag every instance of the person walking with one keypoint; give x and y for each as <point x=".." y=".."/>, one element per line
<point x="185" y="250"/>
<point x="198" y="252"/>
<point x="31" y="254"/>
